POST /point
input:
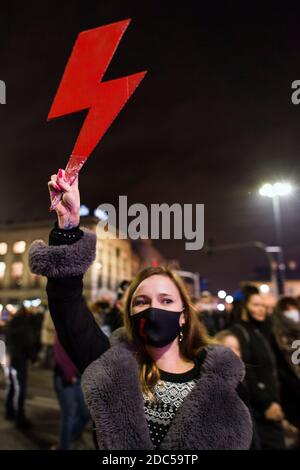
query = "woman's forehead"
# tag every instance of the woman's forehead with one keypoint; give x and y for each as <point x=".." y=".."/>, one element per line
<point x="157" y="284"/>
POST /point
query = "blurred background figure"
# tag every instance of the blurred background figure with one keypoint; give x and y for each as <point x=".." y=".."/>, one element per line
<point x="74" y="413"/>
<point x="213" y="319"/>
<point x="101" y="309"/>
<point x="228" y="339"/>
<point x="286" y="331"/>
<point x="22" y="346"/>
<point x="108" y="314"/>
<point x="115" y="318"/>
<point x="253" y="329"/>
<point x="46" y="359"/>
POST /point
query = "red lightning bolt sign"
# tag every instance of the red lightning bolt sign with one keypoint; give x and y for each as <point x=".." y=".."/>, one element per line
<point x="81" y="88"/>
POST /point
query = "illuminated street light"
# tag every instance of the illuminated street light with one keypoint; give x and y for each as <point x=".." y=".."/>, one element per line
<point x="264" y="288"/>
<point x="36" y="302"/>
<point x="32" y="303"/>
<point x="222" y="294"/>
<point x="84" y="210"/>
<point x="283" y="189"/>
<point x="101" y="214"/>
<point x="221" y="307"/>
<point x="275" y="191"/>
<point x="229" y="299"/>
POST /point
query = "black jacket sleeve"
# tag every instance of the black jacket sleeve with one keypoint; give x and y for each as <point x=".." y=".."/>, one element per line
<point x="76" y="328"/>
<point x="64" y="262"/>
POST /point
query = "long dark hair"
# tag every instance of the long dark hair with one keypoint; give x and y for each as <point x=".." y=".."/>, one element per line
<point x="240" y="305"/>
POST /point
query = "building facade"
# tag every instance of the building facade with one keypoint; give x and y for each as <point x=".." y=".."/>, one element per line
<point x="115" y="261"/>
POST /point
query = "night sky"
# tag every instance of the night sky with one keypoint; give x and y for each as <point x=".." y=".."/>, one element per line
<point x="212" y="120"/>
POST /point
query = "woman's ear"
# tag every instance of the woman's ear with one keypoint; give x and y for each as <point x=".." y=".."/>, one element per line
<point x="182" y="319"/>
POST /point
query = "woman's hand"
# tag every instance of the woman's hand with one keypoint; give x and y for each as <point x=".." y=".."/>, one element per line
<point x="68" y="210"/>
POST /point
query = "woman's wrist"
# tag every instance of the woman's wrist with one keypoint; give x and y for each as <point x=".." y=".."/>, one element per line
<point x="68" y="222"/>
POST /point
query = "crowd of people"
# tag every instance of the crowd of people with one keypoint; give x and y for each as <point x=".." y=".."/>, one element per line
<point x="31" y="340"/>
<point x="262" y="339"/>
<point x="153" y="369"/>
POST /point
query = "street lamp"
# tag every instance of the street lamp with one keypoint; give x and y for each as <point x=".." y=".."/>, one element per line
<point x="229" y="299"/>
<point x="264" y="288"/>
<point x="222" y="294"/>
<point x="275" y="191"/>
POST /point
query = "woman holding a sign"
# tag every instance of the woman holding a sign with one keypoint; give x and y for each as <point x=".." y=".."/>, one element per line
<point x="162" y="385"/>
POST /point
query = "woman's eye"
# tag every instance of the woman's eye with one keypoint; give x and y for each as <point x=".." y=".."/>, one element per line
<point x="139" y="302"/>
<point x="168" y="301"/>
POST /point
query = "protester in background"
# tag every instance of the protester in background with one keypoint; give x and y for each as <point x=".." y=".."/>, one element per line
<point x="22" y="348"/>
<point x="228" y="339"/>
<point x="37" y="318"/>
<point x="47" y="340"/>
<point x="110" y="318"/>
<point x="213" y="320"/>
<point x="114" y="319"/>
<point x="286" y="331"/>
<point x="254" y="331"/>
<point x="100" y="310"/>
<point x="75" y="414"/>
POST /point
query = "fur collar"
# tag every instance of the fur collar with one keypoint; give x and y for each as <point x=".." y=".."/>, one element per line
<point x="211" y="417"/>
<point x="63" y="260"/>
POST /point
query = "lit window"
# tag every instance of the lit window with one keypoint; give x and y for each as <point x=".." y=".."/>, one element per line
<point x="19" y="247"/>
<point x="3" y="248"/>
<point x="17" y="268"/>
<point x="2" y="269"/>
<point x="16" y="272"/>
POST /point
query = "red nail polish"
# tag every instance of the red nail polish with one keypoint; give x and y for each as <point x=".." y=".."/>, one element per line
<point x="60" y="173"/>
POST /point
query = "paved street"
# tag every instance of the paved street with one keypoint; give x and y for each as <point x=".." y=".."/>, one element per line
<point x="44" y="413"/>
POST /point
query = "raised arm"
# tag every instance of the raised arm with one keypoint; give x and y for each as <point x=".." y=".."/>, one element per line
<point x="64" y="262"/>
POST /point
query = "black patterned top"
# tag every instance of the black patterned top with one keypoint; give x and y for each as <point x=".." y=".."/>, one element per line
<point x="169" y="394"/>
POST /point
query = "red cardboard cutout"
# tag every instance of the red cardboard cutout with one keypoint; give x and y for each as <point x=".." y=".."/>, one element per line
<point x="81" y="88"/>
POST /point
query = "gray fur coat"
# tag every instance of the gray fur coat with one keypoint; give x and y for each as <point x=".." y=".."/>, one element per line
<point x="211" y="417"/>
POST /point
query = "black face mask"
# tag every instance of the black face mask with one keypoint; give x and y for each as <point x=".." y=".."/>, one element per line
<point x="158" y="327"/>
